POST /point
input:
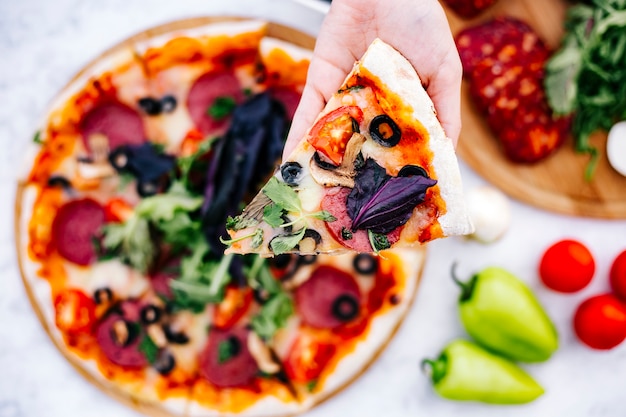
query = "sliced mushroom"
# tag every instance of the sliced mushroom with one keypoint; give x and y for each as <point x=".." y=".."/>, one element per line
<point x="99" y="145"/>
<point x="122" y="333"/>
<point x="262" y="354"/>
<point x="93" y="170"/>
<point x="343" y="175"/>
<point x="157" y="335"/>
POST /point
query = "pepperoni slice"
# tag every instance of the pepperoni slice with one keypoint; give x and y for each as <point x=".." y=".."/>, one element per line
<point x="469" y="8"/>
<point x="334" y="202"/>
<point x="75" y="226"/>
<point x="203" y="94"/>
<point x="289" y="99"/>
<point x="226" y="360"/>
<point x="328" y="299"/>
<point x="118" y="122"/>
<point x="119" y="339"/>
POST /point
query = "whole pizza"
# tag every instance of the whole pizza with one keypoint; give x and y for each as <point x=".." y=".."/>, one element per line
<point x="135" y="170"/>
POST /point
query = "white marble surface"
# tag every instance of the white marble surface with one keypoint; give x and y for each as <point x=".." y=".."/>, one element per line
<point x="42" y="43"/>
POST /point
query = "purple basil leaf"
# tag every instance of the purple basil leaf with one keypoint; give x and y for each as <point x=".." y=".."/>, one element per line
<point x="368" y="180"/>
<point x="392" y="204"/>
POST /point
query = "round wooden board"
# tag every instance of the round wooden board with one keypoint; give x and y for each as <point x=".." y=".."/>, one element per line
<point x="149" y="408"/>
<point x="556" y="183"/>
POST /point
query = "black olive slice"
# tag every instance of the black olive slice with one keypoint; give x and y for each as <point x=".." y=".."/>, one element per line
<point x="307" y="259"/>
<point x="120" y="158"/>
<point x="147" y="188"/>
<point x="150" y="314"/>
<point x="123" y="333"/>
<point x="177" y="338"/>
<point x="281" y="261"/>
<point x="261" y="295"/>
<point x="103" y="295"/>
<point x="310" y="234"/>
<point x="291" y="173"/>
<point x="345" y="307"/>
<point x="168" y="104"/>
<point x="385" y="131"/>
<point x="365" y="263"/>
<point x="323" y="164"/>
<point x="164" y="363"/>
<point x="59" y="181"/>
<point x="412" y="170"/>
<point x="150" y="106"/>
<point x="395" y="299"/>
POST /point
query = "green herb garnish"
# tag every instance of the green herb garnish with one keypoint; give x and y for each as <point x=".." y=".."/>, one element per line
<point x="37" y="138"/>
<point x="310" y="386"/>
<point x="226" y="350"/>
<point x="149" y="349"/>
<point x="346" y="234"/>
<point x="378" y="241"/>
<point x="222" y="107"/>
<point x="284" y="243"/>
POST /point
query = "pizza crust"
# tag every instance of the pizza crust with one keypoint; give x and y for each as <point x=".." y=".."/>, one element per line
<point x="399" y="76"/>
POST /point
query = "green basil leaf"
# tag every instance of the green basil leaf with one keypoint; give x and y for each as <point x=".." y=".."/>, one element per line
<point x="37" y="138"/>
<point x="273" y="215"/>
<point x="149" y="349"/>
<point x="225" y="351"/>
<point x="346" y="234"/>
<point x="284" y="243"/>
<point x="282" y="195"/>
<point x="378" y="241"/>
<point x="222" y="107"/>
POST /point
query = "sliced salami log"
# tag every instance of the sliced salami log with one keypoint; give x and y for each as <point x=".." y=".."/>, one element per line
<point x="328" y="299"/>
<point x="469" y="8"/>
<point x="202" y="95"/>
<point x="288" y="98"/>
<point x="226" y="361"/>
<point x="118" y="122"/>
<point x="334" y="202"/>
<point x="120" y="337"/>
<point x="75" y="226"/>
<point x="503" y="38"/>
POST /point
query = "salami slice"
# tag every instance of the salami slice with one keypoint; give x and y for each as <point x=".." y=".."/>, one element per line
<point x="203" y="95"/>
<point x="469" y="8"/>
<point x="328" y="299"/>
<point x="75" y="226"/>
<point x="226" y="360"/>
<point x="289" y="99"/>
<point x="335" y="203"/>
<point x="118" y="122"/>
<point x="119" y="337"/>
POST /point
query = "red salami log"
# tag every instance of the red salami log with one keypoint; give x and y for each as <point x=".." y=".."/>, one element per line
<point x="328" y="299"/>
<point x="469" y="8"/>
<point x="120" y="337"/>
<point x="75" y="226"/>
<point x="226" y="360"/>
<point x="335" y="203"/>
<point x="118" y="122"/>
<point x="203" y="94"/>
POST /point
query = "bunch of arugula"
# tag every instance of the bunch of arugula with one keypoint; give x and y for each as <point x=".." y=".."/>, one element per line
<point x="587" y="75"/>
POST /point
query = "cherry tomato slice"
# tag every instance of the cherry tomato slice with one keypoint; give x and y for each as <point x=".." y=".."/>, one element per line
<point x="567" y="266"/>
<point x="232" y="308"/>
<point x="307" y="358"/>
<point x="330" y="135"/>
<point x="600" y="322"/>
<point x="117" y="210"/>
<point x="74" y="311"/>
<point x="618" y="276"/>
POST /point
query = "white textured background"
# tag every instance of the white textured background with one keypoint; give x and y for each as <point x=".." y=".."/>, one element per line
<point x="44" y="42"/>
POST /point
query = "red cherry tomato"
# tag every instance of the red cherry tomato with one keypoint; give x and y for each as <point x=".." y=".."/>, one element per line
<point x="331" y="134"/>
<point x="74" y="311"/>
<point x="567" y="266"/>
<point x="600" y="322"/>
<point x="117" y="210"/>
<point x="307" y="358"/>
<point x="236" y="302"/>
<point x="618" y="276"/>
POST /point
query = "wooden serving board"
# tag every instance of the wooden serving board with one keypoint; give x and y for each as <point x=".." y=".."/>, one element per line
<point x="556" y="183"/>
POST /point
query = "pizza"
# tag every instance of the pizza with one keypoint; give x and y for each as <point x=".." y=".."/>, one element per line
<point x="135" y="170"/>
<point x="375" y="171"/>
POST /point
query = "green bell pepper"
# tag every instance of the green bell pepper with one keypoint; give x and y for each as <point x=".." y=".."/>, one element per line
<point x="503" y="315"/>
<point x="466" y="372"/>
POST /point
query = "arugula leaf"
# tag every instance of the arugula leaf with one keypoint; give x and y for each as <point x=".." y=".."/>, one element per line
<point x="284" y="243"/>
<point x="133" y="241"/>
<point x="282" y="195"/>
<point x="273" y="215"/>
<point x="162" y="207"/>
<point x="222" y="107"/>
<point x="207" y="283"/>
<point x="273" y="316"/>
<point x="149" y="349"/>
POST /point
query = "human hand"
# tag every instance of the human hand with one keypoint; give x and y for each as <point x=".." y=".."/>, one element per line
<point x="416" y="28"/>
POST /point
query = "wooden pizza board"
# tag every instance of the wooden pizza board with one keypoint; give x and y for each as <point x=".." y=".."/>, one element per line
<point x="556" y="183"/>
<point x="154" y="409"/>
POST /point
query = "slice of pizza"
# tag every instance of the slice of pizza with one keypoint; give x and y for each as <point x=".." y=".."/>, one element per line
<point x="375" y="171"/>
